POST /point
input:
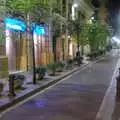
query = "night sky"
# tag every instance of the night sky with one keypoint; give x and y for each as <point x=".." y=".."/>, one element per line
<point x="114" y="14"/>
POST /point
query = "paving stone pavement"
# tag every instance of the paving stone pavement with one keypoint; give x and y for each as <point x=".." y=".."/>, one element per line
<point x="77" y="98"/>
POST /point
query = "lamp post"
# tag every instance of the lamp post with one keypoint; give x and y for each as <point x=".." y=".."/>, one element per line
<point x="74" y="6"/>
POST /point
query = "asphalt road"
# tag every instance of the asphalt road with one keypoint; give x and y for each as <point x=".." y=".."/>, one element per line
<point x="77" y="98"/>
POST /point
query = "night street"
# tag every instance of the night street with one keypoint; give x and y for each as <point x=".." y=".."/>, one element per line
<point x="76" y="98"/>
<point x="59" y="59"/>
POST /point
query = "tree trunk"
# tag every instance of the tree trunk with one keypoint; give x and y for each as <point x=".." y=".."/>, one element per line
<point x="63" y="49"/>
<point x="27" y="38"/>
<point x="82" y="50"/>
<point x="33" y="54"/>
<point x="78" y="44"/>
<point x="54" y="47"/>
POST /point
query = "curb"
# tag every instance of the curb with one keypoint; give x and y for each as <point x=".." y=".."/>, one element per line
<point x="37" y="90"/>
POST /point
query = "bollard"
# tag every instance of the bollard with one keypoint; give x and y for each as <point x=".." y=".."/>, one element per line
<point x="118" y="85"/>
<point x="11" y="86"/>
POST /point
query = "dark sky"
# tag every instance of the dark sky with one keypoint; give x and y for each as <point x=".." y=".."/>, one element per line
<point x="114" y="13"/>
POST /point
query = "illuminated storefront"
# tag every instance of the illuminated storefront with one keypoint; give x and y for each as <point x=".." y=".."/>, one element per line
<point x="19" y="50"/>
<point x="62" y="48"/>
<point x="43" y="48"/>
<point x="16" y="44"/>
<point x="72" y="48"/>
<point x="65" y="48"/>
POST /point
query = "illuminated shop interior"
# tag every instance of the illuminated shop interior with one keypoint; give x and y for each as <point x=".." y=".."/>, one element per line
<point x="16" y="44"/>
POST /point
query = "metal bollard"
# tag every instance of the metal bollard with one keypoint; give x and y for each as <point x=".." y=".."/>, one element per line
<point x="118" y="85"/>
<point x="11" y="86"/>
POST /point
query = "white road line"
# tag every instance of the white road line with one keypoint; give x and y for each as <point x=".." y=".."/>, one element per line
<point x="101" y="111"/>
<point x="31" y="97"/>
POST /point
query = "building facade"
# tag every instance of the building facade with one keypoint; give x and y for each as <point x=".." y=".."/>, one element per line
<point x="16" y="46"/>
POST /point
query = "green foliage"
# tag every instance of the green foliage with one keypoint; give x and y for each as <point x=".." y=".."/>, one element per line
<point x="52" y="66"/>
<point x="18" y="83"/>
<point x="97" y="35"/>
<point x="40" y="70"/>
<point x="96" y="54"/>
<point x="2" y="36"/>
<point x="77" y="29"/>
<point x="60" y="64"/>
<point x="69" y="63"/>
<point x="22" y="6"/>
<point x="35" y="8"/>
<point x="94" y="34"/>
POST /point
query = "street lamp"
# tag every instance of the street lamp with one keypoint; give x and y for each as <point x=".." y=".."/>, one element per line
<point x="92" y="18"/>
<point x="74" y="6"/>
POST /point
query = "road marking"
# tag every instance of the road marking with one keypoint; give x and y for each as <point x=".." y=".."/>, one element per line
<point x="31" y="97"/>
<point x="101" y="112"/>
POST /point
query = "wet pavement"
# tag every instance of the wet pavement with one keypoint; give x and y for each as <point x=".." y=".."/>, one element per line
<point x="77" y="98"/>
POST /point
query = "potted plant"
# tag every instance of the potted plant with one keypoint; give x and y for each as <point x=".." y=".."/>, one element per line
<point x="40" y="72"/>
<point x="60" y="66"/>
<point x="79" y="60"/>
<point x="69" y="64"/>
<point x="91" y="56"/>
<point x="18" y="83"/>
<point x="51" y="68"/>
<point x="18" y="80"/>
<point x="74" y="61"/>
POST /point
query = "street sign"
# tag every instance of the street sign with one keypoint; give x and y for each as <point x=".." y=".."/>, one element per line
<point x="15" y="24"/>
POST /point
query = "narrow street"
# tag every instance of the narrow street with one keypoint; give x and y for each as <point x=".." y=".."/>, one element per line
<point x="76" y="98"/>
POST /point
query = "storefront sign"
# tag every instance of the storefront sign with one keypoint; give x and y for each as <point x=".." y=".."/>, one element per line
<point x="38" y="29"/>
<point x="15" y="24"/>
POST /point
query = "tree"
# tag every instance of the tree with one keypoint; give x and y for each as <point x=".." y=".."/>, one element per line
<point x="77" y="29"/>
<point x="83" y="38"/>
<point x="59" y="24"/>
<point x="30" y="11"/>
<point x="102" y="36"/>
<point x="57" y="20"/>
<point x="74" y="28"/>
<point x="97" y="35"/>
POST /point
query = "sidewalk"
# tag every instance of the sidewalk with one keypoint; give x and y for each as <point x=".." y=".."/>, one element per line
<point x="30" y="89"/>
